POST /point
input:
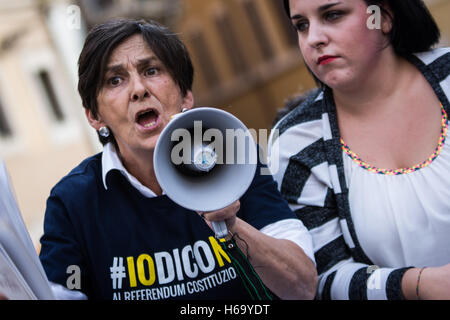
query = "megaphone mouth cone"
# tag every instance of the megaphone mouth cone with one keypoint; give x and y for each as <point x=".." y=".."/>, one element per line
<point x="218" y="183"/>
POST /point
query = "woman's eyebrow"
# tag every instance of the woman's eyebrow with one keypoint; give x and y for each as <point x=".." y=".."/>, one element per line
<point x="146" y="61"/>
<point x="319" y="10"/>
<point x="114" y="68"/>
<point x="328" y="6"/>
<point x="139" y="64"/>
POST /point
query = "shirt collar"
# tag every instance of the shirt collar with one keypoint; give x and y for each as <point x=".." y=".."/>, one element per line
<point x="111" y="161"/>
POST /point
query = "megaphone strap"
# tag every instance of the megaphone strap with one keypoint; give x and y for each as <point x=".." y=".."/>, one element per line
<point x="250" y="279"/>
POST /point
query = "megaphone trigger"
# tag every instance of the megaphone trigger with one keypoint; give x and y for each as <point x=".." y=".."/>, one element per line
<point x="220" y="229"/>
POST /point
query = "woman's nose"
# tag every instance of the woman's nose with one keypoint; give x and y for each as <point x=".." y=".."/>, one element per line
<point x="317" y="36"/>
<point x="139" y="90"/>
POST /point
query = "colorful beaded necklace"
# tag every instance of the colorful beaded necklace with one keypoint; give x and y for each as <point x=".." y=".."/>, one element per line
<point x="393" y="172"/>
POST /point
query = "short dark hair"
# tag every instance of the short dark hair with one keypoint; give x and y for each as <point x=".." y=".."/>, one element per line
<point x="289" y="104"/>
<point x="413" y="27"/>
<point x="104" y="38"/>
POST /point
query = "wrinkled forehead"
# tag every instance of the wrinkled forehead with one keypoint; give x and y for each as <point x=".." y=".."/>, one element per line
<point x="131" y="50"/>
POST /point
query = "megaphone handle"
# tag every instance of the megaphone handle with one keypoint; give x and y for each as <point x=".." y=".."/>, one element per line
<point x="220" y="229"/>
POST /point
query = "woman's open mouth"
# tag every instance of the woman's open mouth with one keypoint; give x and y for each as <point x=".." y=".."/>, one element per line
<point x="147" y="119"/>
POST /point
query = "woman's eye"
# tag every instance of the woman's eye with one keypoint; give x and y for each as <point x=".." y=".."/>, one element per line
<point x="333" y="15"/>
<point x="114" y="81"/>
<point x="301" y="26"/>
<point x="151" y="71"/>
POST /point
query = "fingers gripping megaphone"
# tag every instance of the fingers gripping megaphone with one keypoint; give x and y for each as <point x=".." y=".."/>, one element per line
<point x="205" y="159"/>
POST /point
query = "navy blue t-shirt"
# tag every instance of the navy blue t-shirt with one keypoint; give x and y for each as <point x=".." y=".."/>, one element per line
<point x="129" y="247"/>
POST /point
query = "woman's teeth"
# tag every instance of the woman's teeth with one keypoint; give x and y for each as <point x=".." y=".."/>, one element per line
<point x="150" y="124"/>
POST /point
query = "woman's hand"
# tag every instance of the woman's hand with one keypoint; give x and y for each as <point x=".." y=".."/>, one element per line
<point x="227" y="214"/>
<point x="281" y="264"/>
<point x="434" y="283"/>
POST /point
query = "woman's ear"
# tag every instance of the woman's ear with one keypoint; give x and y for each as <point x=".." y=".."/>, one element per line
<point x="387" y="17"/>
<point x="94" y="121"/>
<point x="188" y="100"/>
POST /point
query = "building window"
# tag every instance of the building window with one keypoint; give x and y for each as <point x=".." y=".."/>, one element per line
<point x="231" y="43"/>
<point x="49" y="90"/>
<point x="258" y="24"/>
<point x="103" y="4"/>
<point x="206" y="64"/>
<point x="5" y="129"/>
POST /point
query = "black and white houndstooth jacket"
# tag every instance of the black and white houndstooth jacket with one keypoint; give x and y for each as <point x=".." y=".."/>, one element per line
<point x="306" y="160"/>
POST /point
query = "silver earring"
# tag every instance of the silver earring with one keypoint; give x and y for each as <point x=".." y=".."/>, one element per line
<point x="104" y="132"/>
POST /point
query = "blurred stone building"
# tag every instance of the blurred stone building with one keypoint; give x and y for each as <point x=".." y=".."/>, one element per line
<point x="43" y="130"/>
<point x="244" y="52"/>
<point x="42" y="133"/>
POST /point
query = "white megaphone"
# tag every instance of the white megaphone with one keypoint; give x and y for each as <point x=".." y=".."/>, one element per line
<point x="205" y="159"/>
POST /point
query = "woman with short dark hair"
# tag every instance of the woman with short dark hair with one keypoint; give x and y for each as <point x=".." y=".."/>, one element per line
<point x="110" y="217"/>
<point x="102" y="40"/>
<point x="368" y="171"/>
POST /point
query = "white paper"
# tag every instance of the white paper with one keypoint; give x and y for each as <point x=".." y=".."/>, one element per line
<point x="12" y="284"/>
<point x="17" y="245"/>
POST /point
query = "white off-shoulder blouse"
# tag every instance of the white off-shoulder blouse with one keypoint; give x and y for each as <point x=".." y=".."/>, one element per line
<point x="402" y="216"/>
